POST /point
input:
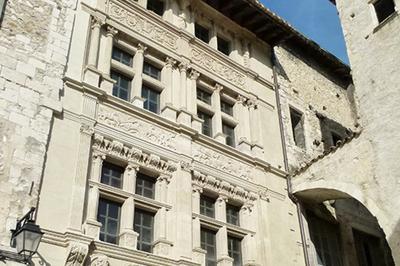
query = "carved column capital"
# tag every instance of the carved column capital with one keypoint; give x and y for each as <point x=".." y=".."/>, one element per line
<point x="170" y="62"/>
<point x="96" y="22"/>
<point x="252" y="102"/>
<point x="141" y="48"/>
<point x="218" y="88"/>
<point x="194" y="75"/>
<point x="186" y="166"/>
<point x="87" y="129"/>
<point x="222" y="198"/>
<point x="196" y="189"/>
<point x="111" y="31"/>
<point x="132" y="166"/>
<point x="164" y="178"/>
<point x="98" y="155"/>
<point x="183" y="67"/>
<point x="241" y="100"/>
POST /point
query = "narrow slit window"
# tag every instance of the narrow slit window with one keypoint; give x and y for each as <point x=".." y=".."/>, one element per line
<point x="296" y="119"/>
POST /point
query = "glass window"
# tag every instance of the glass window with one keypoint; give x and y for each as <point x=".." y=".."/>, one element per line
<point x="209" y="245"/>
<point x="232" y="214"/>
<point x="207" y="206"/>
<point x="235" y="250"/>
<point x="122" y="85"/>
<point x="206" y="127"/>
<point x="296" y="119"/>
<point x="383" y="9"/>
<point x="144" y="226"/>
<point x="204" y="96"/>
<point x="229" y="131"/>
<point x="122" y="56"/>
<point x="157" y="6"/>
<point x="223" y="46"/>
<point x="111" y="174"/>
<point x="152" y="99"/>
<point x="145" y="185"/>
<point x="227" y="108"/>
<point x="151" y="71"/>
<point x="202" y="33"/>
<point x="109" y="215"/>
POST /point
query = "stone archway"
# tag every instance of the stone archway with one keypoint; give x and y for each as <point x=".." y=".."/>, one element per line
<point x="322" y="191"/>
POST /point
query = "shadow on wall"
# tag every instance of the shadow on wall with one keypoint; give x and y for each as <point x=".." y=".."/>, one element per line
<point x="394" y="242"/>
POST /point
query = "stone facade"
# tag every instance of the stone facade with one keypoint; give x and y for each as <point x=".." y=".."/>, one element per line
<point x="34" y="42"/>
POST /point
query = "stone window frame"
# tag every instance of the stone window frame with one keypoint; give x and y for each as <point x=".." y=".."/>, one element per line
<point x="127" y="197"/>
<point x="291" y="128"/>
<point x="376" y="24"/>
<point x="202" y="185"/>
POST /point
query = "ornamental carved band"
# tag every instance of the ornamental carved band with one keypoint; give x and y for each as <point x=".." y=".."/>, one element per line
<point x="222" y="187"/>
<point x="131" y="154"/>
<point x="209" y="63"/>
<point x="77" y="254"/>
<point x="143" y="26"/>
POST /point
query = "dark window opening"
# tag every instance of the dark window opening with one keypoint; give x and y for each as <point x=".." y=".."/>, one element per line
<point x="335" y="138"/>
<point x="229" y="132"/>
<point x="207" y="206"/>
<point x="203" y="96"/>
<point x="145" y="186"/>
<point x="111" y="174"/>
<point x="296" y="119"/>
<point x="224" y="46"/>
<point x="122" y="56"/>
<point x="332" y="132"/>
<point x="235" y="250"/>
<point x="151" y="99"/>
<point x="122" y="85"/>
<point x="370" y="251"/>
<point x="144" y="226"/>
<point x="157" y="6"/>
<point x="232" y="214"/>
<point x="206" y="127"/>
<point x="208" y="243"/>
<point x="227" y="108"/>
<point x="383" y="9"/>
<point x="151" y="71"/>
<point x="108" y="215"/>
<point x="202" y="33"/>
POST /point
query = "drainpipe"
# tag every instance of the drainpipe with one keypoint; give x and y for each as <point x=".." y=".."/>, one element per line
<point x="285" y="158"/>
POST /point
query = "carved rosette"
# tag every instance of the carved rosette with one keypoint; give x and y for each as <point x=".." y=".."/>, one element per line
<point x="143" y="26"/>
<point x="132" y="154"/>
<point x="222" y="187"/>
<point x="77" y="254"/>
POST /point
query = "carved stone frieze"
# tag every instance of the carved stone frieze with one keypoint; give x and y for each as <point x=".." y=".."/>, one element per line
<point x="208" y="62"/>
<point x="132" y="154"/>
<point x="143" y="26"/>
<point x="77" y="254"/>
<point x="222" y="187"/>
<point x="137" y="128"/>
<point x="99" y="260"/>
<point x="221" y="162"/>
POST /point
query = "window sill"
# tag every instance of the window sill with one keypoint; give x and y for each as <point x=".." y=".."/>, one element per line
<point x="386" y="21"/>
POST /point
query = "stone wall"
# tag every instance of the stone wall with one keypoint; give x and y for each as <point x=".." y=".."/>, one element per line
<point x="34" y="43"/>
<point x="307" y="89"/>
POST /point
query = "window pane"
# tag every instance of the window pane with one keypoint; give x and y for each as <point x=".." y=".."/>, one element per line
<point x="145" y="185"/>
<point x="229" y="131"/>
<point x="151" y="71"/>
<point x="122" y="56"/>
<point x="111" y="174"/>
<point x="232" y="214"/>
<point x="157" y="6"/>
<point x="122" y="85"/>
<point x="204" y="96"/>
<point x="226" y="108"/>
<point x="109" y="215"/>
<point x="202" y="33"/>
<point x="206" y="127"/>
<point x="152" y="100"/>
<point x="143" y="225"/>
<point x="207" y="206"/>
<point x="223" y="46"/>
<point x="208" y="244"/>
<point x="234" y="250"/>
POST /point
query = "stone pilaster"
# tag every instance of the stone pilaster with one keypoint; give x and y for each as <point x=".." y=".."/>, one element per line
<point x="241" y="113"/>
<point x="92" y="74"/>
<point x="223" y="258"/>
<point x="128" y="237"/>
<point x="191" y="92"/>
<point x="198" y="253"/>
<point x="167" y="109"/>
<point x="138" y="60"/>
<point x="213" y="36"/>
<point x="217" y="118"/>
<point x="129" y="179"/>
<point x="255" y="117"/>
<point x="105" y="62"/>
<point x="248" y="242"/>
<point x="184" y="117"/>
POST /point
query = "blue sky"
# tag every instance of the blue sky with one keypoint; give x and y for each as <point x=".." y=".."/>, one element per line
<point x="316" y="19"/>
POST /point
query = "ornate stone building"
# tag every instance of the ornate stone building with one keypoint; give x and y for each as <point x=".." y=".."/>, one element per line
<point x="164" y="132"/>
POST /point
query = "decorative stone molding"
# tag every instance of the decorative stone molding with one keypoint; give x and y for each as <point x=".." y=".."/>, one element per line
<point x="142" y="25"/>
<point x="96" y="22"/>
<point x="131" y="154"/>
<point x="194" y="75"/>
<point x="186" y="166"/>
<point x="209" y="63"/>
<point x="99" y="260"/>
<point x="77" y="254"/>
<point x="137" y="128"/>
<point x="170" y="62"/>
<point x="87" y="129"/>
<point x="225" y="189"/>
<point x="221" y="162"/>
<point x="141" y="48"/>
<point x="111" y="31"/>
